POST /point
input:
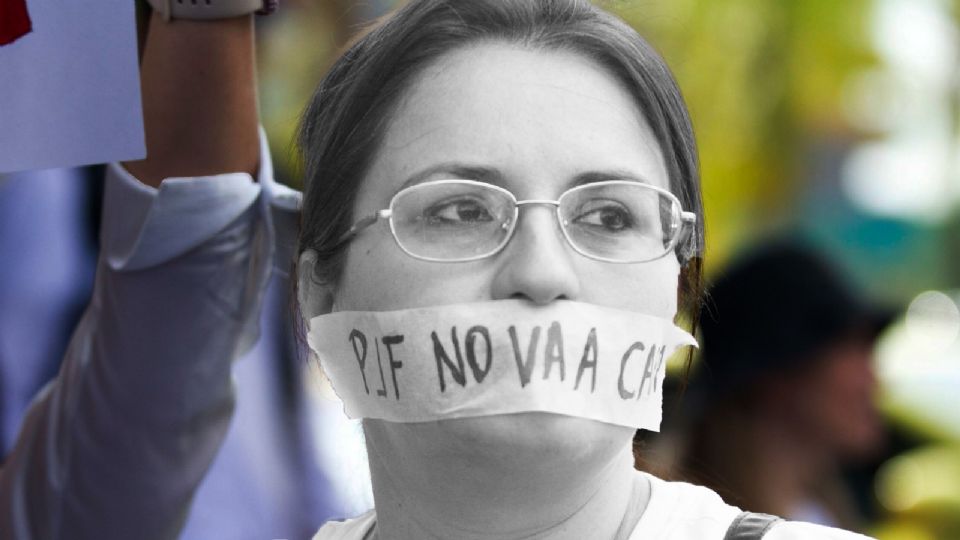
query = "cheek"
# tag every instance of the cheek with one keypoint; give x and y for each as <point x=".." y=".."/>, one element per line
<point x="366" y="284"/>
<point x="379" y="276"/>
<point x="649" y="288"/>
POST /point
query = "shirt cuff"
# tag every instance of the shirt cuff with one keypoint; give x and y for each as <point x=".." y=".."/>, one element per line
<point x="145" y="227"/>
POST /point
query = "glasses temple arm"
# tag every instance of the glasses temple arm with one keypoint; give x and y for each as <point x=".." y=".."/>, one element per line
<point x="689" y="244"/>
<point x="362" y="224"/>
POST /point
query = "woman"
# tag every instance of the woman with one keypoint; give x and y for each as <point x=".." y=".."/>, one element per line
<point x="519" y="107"/>
<point x="523" y="95"/>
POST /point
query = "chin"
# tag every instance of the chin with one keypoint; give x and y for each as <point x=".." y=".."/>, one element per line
<point x="544" y="437"/>
<point x="496" y="453"/>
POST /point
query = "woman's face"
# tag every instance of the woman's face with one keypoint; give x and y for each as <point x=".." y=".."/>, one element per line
<point x="535" y="121"/>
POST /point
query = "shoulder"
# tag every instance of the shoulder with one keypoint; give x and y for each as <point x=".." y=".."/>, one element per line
<point x="678" y="510"/>
<point x="350" y="529"/>
<point x="682" y="511"/>
<point x="798" y="530"/>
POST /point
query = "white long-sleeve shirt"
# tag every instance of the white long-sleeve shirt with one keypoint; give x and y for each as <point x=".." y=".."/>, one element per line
<point x="675" y="511"/>
<point x="117" y="444"/>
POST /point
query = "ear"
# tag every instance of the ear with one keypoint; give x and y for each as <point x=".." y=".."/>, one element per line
<point x="315" y="298"/>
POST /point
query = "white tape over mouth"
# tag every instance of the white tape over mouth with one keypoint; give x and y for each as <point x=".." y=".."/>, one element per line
<point x="499" y="357"/>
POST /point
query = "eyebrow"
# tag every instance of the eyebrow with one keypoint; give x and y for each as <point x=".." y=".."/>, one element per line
<point x="457" y="170"/>
<point x="591" y="177"/>
<point x="492" y="175"/>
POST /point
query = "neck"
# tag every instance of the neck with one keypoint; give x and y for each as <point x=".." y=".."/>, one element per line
<point x="492" y="497"/>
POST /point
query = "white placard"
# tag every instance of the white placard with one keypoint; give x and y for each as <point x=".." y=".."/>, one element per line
<point x="69" y="88"/>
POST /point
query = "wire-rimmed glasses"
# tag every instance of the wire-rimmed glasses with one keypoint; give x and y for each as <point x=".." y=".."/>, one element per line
<point x="617" y="221"/>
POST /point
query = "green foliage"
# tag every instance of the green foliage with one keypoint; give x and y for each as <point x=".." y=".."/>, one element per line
<point x="762" y="80"/>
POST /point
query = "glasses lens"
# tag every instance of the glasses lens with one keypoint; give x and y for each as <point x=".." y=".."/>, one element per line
<point x="452" y="219"/>
<point x="620" y="221"/>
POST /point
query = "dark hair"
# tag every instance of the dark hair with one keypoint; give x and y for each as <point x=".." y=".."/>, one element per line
<point x="341" y="129"/>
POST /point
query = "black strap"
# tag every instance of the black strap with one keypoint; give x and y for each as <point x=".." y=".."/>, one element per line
<point x="369" y="535"/>
<point x="750" y="526"/>
<point x="746" y="526"/>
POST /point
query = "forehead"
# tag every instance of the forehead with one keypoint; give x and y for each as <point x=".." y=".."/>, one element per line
<point x="540" y="118"/>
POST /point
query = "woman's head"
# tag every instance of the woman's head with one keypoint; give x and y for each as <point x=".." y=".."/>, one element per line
<point x="534" y="96"/>
<point x="344" y="128"/>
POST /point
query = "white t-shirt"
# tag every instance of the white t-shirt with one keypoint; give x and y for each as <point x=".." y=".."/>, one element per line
<point x="675" y="511"/>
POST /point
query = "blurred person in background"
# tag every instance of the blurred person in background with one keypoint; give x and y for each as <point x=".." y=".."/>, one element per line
<point x="784" y="395"/>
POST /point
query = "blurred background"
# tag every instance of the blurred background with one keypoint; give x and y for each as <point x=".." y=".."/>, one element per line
<point x="836" y="121"/>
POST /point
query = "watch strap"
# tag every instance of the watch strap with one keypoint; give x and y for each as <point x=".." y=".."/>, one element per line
<point x="211" y="9"/>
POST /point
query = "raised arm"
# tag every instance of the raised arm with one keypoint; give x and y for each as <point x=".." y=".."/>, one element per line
<point x="199" y="99"/>
<point x="117" y="444"/>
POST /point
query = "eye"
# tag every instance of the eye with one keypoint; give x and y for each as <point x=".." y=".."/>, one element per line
<point x="460" y="211"/>
<point x="606" y="215"/>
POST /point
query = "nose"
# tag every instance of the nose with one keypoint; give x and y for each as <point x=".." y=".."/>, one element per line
<point x="537" y="264"/>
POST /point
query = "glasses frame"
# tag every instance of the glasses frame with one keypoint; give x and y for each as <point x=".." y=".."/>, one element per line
<point x="680" y="230"/>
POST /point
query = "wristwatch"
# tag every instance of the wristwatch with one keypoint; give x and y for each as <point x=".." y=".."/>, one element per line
<point x="211" y="9"/>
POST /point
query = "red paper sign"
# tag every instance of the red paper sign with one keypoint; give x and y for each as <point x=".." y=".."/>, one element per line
<point x="14" y="20"/>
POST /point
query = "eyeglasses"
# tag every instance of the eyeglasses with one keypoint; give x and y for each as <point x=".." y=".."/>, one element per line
<point x="617" y="221"/>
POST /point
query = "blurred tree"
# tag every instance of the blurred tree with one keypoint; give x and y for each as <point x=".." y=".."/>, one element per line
<point x="763" y="81"/>
<point x="296" y="48"/>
